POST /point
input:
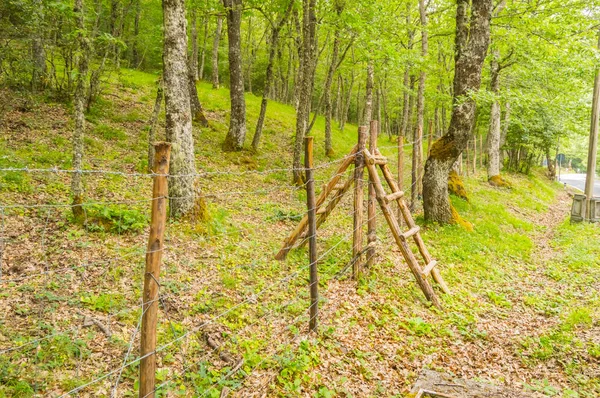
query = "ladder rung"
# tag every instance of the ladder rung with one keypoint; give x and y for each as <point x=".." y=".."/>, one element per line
<point x="411" y="232"/>
<point x="394" y="196"/>
<point x="380" y="160"/>
<point x="429" y="267"/>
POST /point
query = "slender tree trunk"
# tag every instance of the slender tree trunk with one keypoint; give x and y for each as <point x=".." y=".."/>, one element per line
<point x="338" y="98"/>
<point x="418" y="137"/>
<point x="135" y="52"/>
<point x="178" y="111"/>
<point x="328" y="82"/>
<point x="504" y="133"/>
<point x="269" y="76"/>
<point x="215" y="52"/>
<point x="79" y="105"/>
<point x="40" y="70"/>
<point x="195" y="106"/>
<point x="194" y="39"/>
<point x="154" y="123"/>
<point x="234" y="141"/>
<point x="472" y="40"/>
<point x="346" y="106"/>
<point x="368" y="111"/>
<point x="203" y="50"/>
<point x="305" y="85"/>
<point x="493" y="138"/>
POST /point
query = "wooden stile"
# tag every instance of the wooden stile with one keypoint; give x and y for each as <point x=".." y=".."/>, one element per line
<point x="363" y="157"/>
<point x="152" y="271"/>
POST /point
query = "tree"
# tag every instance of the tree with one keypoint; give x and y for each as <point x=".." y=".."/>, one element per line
<point x="215" y="52"/>
<point x="495" y="135"/>
<point x="275" y="29"/>
<point x="234" y="141"/>
<point x="304" y="87"/>
<point x="472" y="40"/>
<point x="79" y="102"/>
<point x="177" y="109"/>
<point x="333" y="65"/>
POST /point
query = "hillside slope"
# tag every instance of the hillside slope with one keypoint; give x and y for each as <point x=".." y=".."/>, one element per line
<point x="524" y="310"/>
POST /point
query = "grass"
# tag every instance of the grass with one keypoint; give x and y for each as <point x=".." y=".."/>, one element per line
<point x="524" y="303"/>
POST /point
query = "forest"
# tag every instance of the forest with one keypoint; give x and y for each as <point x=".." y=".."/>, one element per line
<point x="191" y="201"/>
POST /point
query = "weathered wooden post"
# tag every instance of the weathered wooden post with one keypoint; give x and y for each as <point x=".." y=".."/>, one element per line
<point x="359" y="171"/>
<point x="162" y="155"/>
<point x="371" y="222"/>
<point x="312" y="233"/>
<point x="400" y="173"/>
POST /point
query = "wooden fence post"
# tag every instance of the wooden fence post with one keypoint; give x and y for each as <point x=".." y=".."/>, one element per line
<point x="312" y="233"/>
<point x="400" y="173"/>
<point x="359" y="169"/>
<point x="162" y="152"/>
<point x="371" y="222"/>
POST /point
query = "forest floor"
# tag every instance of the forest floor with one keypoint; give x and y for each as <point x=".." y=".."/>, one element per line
<point x="524" y="310"/>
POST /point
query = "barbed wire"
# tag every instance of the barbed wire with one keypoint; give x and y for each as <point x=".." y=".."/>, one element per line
<point x="250" y="299"/>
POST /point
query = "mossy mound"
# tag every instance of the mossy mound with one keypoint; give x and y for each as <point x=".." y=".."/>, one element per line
<point x="457" y="219"/>
<point x="499" y="182"/>
<point x="456" y="186"/>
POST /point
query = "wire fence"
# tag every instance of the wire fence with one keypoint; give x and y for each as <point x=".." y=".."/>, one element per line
<point x="71" y="288"/>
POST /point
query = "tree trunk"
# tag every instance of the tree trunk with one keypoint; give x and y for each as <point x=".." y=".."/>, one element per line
<point x="305" y="84"/>
<point x="195" y="106"/>
<point x="215" y="52"/>
<point x="472" y="40"/>
<point x="368" y="111"/>
<point x="504" y="133"/>
<point x="269" y="76"/>
<point x="493" y="138"/>
<point x="346" y="105"/>
<point x="329" y="81"/>
<point x="135" y="52"/>
<point x="417" y="163"/>
<point x="194" y="39"/>
<point x="79" y="105"/>
<point x="234" y="141"/>
<point x="38" y="78"/>
<point x="177" y="107"/>
<point x="154" y="123"/>
<point x="203" y="50"/>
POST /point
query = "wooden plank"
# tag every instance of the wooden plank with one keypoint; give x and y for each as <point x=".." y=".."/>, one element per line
<point x="359" y="171"/>
<point x="312" y="234"/>
<point x="429" y="267"/>
<point x="371" y="221"/>
<point x="293" y="237"/>
<point x="395" y="229"/>
<point x="410" y="222"/>
<point x="154" y="253"/>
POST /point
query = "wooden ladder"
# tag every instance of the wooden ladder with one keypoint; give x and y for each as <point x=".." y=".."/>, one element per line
<point x="420" y="274"/>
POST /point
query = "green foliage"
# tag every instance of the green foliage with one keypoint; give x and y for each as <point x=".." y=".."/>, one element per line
<point x="104" y="302"/>
<point x="112" y="218"/>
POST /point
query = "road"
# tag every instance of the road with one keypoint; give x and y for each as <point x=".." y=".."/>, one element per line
<point x="578" y="181"/>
